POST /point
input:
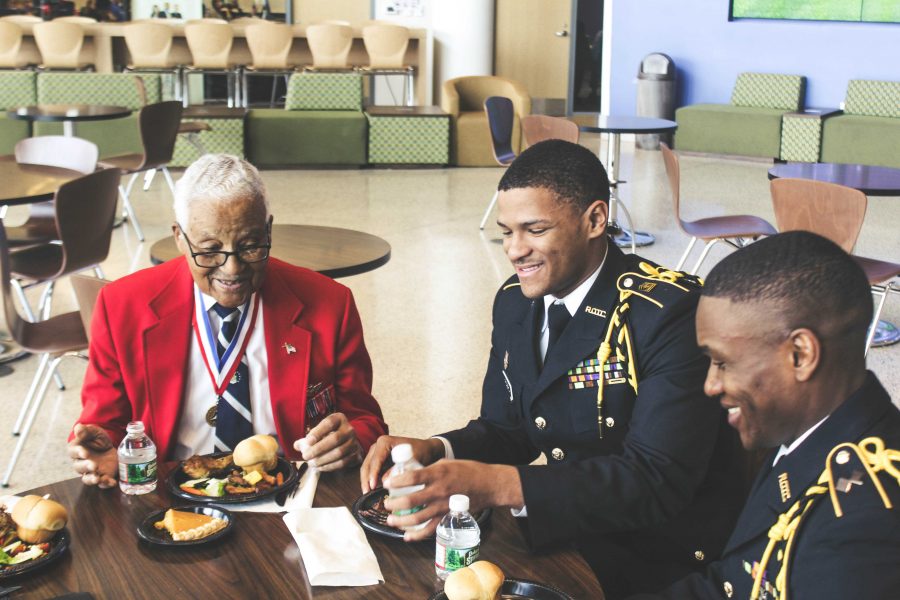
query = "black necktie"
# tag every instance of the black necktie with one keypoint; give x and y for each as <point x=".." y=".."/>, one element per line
<point x="233" y="416"/>
<point x="557" y="318"/>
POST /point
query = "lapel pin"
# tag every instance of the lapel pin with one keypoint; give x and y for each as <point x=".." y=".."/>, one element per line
<point x="289" y="348"/>
<point x="784" y="487"/>
<point x="844" y="485"/>
<point x="595" y="311"/>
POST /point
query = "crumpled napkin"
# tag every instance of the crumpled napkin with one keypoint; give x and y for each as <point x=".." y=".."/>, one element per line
<point x="306" y="492"/>
<point x="334" y="547"/>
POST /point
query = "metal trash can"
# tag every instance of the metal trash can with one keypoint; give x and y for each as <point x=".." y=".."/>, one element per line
<point x="656" y="96"/>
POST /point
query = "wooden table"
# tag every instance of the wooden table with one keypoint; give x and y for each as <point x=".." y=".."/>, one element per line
<point x="615" y="126"/>
<point x="25" y="184"/>
<point x="872" y="181"/>
<point x="331" y="251"/>
<point x="259" y="558"/>
<point x="68" y="114"/>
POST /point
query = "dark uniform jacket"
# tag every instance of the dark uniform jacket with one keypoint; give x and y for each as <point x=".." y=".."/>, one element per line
<point x="856" y="555"/>
<point x="648" y="483"/>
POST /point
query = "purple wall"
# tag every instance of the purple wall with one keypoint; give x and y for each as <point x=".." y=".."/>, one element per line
<point x="709" y="51"/>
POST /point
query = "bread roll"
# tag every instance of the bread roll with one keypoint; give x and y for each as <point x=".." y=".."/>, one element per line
<point x="38" y="519"/>
<point x="480" y="581"/>
<point x="257" y="453"/>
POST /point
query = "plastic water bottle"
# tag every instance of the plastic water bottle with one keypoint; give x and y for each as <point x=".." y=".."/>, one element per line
<point x="402" y="455"/>
<point x="137" y="461"/>
<point x="458" y="538"/>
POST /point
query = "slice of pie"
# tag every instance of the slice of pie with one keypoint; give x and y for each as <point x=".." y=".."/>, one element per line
<point x="186" y="526"/>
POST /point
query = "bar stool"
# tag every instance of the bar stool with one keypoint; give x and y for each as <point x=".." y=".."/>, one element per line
<point x="270" y="44"/>
<point x="10" y="44"/>
<point x="330" y="45"/>
<point x="386" y="46"/>
<point x="150" y="47"/>
<point x="60" y="46"/>
<point x="210" y="45"/>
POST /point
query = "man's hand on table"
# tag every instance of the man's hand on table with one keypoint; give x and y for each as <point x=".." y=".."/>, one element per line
<point x="331" y="445"/>
<point x="94" y="456"/>
<point x="485" y="485"/>
<point x="424" y="451"/>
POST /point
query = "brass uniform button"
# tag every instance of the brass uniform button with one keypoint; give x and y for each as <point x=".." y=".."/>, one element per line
<point x="540" y="422"/>
<point x="699" y="555"/>
<point x="729" y="589"/>
<point x="610" y="422"/>
<point x="557" y="454"/>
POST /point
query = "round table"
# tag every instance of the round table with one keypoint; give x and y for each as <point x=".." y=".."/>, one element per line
<point x="872" y="181"/>
<point x="332" y="251"/>
<point x="258" y="558"/>
<point x="68" y="114"/>
<point x="615" y="126"/>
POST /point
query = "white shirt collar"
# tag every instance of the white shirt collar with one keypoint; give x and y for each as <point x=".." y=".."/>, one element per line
<point x="785" y="450"/>
<point x="209" y="301"/>
<point x="573" y="299"/>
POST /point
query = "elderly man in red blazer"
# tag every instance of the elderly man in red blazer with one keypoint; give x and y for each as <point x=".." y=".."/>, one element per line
<point x="225" y="343"/>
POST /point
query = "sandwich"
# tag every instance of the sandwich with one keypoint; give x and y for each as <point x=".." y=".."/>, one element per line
<point x="479" y="581"/>
<point x="38" y="519"/>
<point x="257" y="453"/>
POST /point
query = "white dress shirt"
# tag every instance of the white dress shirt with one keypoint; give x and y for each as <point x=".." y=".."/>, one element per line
<point x="785" y="450"/>
<point x="195" y="435"/>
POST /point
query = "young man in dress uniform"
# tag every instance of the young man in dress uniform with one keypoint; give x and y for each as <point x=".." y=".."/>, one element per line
<point x="225" y="342"/>
<point x="594" y="363"/>
<point x="784" y="322"/>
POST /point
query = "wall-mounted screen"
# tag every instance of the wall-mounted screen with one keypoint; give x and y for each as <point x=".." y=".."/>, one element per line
<point x="870" y="11"/>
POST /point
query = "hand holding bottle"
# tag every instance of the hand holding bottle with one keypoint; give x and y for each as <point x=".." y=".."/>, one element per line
<point x="93" y="456"/>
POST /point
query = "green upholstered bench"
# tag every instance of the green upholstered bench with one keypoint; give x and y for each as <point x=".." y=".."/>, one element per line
<point x="418" y="135"/>
<point x="226" y="135"/>
<point x="868" y="132"/>
<point x="750" y="125"/>
<point x="16" y="89"/>
<point x="118" y="136"/>
<point x="322" y="124"/>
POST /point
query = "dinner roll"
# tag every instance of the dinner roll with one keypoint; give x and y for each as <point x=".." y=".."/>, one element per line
<point x="38" y="519"/>
<point x="257" y="453"/>
<point x="480" y="581"/>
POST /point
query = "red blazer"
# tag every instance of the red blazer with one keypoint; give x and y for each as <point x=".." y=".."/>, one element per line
<point x="140" y="340"/>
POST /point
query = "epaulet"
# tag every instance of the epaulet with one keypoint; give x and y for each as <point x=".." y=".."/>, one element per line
<point x="849" y="465"/>
<point x="510" y="286"/>
<point x="656" y="284"/>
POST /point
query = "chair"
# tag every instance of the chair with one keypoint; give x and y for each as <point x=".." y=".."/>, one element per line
<point x="537" y="128"/>
<point x="10" y="44"/>
<point x="835" y="212"/>
<point x="150" y="47"/>
<point x="270" y="44"/>
<point x="76" y="19"/>
<point x="330" y="45"/>
<point x="85" y="208"/>
<point x="60" y="45"/>
<point x="386" y="45"/>
<point x="463" y="99"/>
<point x="21" y="19"/>
<point x="501" y="118"/>
<point x="159" y="124"/>
<point x="210" y="44"/>
<point x="732" y="229"/>
<point x="86" y="291"/>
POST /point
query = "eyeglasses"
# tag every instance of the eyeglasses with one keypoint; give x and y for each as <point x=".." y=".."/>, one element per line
<point x="210" y="260"/>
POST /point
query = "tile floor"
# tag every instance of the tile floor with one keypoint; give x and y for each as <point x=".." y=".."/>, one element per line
<point x="426" y="314"/>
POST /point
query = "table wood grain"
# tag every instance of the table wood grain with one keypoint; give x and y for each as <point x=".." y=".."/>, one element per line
<point x="259" y="558"/>
<point x="870" y="180"/>
<point x="24" y="184"/>
<point x="332" y="251"/>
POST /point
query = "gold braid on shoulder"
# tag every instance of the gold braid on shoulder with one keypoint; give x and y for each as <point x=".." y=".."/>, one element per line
<point x="874" y="458"/>
<point x="618" y="333"/>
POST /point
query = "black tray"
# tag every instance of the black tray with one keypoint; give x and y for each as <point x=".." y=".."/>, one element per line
<point x="520" y="589"/>
<point x="367" y="501"/>
<point x="284" y="466"/>
<point x="58" y="545"/>
<point x="149" y="533"/>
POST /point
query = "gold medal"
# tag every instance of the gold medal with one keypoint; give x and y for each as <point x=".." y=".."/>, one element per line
<point x="211" y="415"/>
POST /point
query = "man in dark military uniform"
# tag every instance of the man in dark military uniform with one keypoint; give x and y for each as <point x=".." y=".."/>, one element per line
<point x="594" y="363"/>
<point x="784" y="322"/>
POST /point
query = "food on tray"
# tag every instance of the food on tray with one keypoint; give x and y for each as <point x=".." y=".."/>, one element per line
<point x="26" y="533"/>
<point x="479" y="581"/>
<point x="199" y="467"/>
<point x="258" y="453"/>
<point x="186" y="526"/>
<point x="377" y="513"/>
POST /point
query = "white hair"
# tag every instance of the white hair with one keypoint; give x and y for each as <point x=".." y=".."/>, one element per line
<point x="220" y="177"/>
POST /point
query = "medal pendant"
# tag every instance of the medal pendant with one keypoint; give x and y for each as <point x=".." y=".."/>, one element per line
<point x="211" y="415"/>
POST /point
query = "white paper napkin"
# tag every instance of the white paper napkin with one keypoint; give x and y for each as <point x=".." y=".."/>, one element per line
<point x="333" y="546"/>
<point x="306" y="492"/>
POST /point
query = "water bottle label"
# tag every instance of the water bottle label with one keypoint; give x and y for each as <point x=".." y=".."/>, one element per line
<point x="409" y="511"/>
<point x="451" y="559"/>
<point x="137" y="473"/>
